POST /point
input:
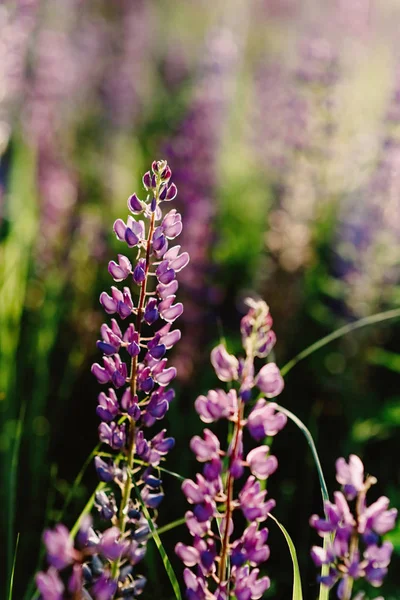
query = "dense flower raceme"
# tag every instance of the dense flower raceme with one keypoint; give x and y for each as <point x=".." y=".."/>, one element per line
<point x="225" y="564"/>
<point x="99" y="565"/>
<point x="354" y="550"/>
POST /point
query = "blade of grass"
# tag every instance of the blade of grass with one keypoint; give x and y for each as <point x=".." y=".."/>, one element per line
<point x="167" y="564"/>
<point x="297" y="592"/>
<point x="15" y="250"/>
<point x="342" y="331"/>
<point x="176" y="475"/>
<point x="323" y="589"/>
<point x="78" y="479"/>
<point x="12" y="494"/>
<point x="11" y="582"/>
<point x="310" y="441"/>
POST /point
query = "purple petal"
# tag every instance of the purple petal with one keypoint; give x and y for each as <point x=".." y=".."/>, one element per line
<point x="172" y="313"/>
<point x="188" y="555"/>
<point x="108" y="303"/>
<point x="134" y="204"/>
<point x="119" y="229"/>
<point x="100" y="373"/>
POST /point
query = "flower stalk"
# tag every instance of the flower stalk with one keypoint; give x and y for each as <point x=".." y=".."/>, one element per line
<point x="225" y="568"/>
<point x="103" y="561"/>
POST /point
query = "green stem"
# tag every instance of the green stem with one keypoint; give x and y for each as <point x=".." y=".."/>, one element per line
<point x="310" y="441"/>
<point x="342" y="331"/>
<point x="229" y="496"/>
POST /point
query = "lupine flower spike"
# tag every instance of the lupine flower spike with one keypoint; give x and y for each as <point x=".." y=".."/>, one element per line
<point x="355" y="550"/>
<point x="226" y="564"/>
<point x="99" y="565"/>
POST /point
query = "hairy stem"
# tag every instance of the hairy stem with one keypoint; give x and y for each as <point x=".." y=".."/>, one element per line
<point x="229" y="495"/>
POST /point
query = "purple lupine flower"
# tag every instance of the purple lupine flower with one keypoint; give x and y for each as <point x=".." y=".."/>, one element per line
<point x="217" y="405"/>
<point x="293" y="127"/>
<point x="50" y="585"/>
<point x="350" y="475"/>
<point x="59" y="546"/>
<point x="368" y="227"/>
<point x="102" y="564"/>
<point x="353" y="550"/>
<point x="269" y="380"/>
<point x="125" y="77"/>
<point x="16" y="26"/>
<point x="226" y="365"/>
<point x="264" y="420"/>
<point x="221" y="564"/>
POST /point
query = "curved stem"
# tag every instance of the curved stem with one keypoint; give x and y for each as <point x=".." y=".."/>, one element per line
<point x="310" y="441"/>
<point x="378" y="318"/>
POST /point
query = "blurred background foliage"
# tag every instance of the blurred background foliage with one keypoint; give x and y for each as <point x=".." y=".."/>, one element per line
<point x="281" y="122"/>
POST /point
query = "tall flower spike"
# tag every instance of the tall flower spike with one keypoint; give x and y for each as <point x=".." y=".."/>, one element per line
<point x="355" y="550"/>
<point x="102" y="562"/>
<point x="226" y="566"/>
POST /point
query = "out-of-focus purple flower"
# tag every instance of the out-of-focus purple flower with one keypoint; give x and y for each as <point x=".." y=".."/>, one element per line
<point x="352" y="550"/>
<point x="213" y="493"/>
<point x="194" y="150"/>
<point x="350" y="475"/>
<point x="226" y="365"/>
<point x="104" y="588"/>
<point x="59" y="546"/>
<point x="217" y="405"/>
<point x="368" y="226"/>
<point x="376" y="518"/>
<point x="264" y="420"/>
<point x="207" y="449"/>
<point x="126" y="75"/>
<point x="110" y="545"/>
<point x="50" y="585"/>
<point x="261" y="464"/>
<point x="270" y="380"/>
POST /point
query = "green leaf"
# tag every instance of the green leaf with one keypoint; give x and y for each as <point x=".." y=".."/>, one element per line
<point x="78" y="480"/>
<point x="15" y="253"/>
<point x="12" y="494"/>
<point x="167" y="563"/>
<point x="11" y="582"/>
<point x="342" y="331"/>
<point x="297" y="592"/>
<point x="323" y="589"/>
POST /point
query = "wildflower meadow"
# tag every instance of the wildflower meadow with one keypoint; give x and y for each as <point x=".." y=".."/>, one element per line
<point x="199" y="300"/>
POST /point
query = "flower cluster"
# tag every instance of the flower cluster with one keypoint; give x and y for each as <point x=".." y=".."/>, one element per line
<point x="225" y="565"/>
<point x="100" y="565"/>
<point x="352" y="549"/>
